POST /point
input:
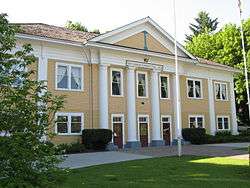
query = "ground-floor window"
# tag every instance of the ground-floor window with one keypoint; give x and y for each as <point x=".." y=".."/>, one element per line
<point x="223" y="123"/>
<point x="196" y="121"/>
<point x="69" y="123"/>
<point x="143" y="125"/>
<point x="166" y="128"/>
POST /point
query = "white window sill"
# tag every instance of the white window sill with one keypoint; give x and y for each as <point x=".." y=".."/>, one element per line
<point x="69" y="134"/>
<point x="73" y="90"/>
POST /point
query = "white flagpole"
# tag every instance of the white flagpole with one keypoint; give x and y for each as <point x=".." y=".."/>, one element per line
<point x="177" y="82"/>
<point x="245" y="59"/>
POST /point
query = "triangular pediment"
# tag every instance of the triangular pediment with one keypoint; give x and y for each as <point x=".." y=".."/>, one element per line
<point x="143" y="34"/>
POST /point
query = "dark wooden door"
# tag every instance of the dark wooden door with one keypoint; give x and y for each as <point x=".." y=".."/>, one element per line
<point x="118" y="136"/>
<point x="166" y="133"/>
<point x="144" y="134"/>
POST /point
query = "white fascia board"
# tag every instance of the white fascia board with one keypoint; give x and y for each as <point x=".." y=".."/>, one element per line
<point x="137" y="51"/>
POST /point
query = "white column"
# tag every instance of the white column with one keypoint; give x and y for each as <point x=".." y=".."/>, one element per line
<point x="175" y="109"/>
<point x="234" y="124"/>
<point x="211" y="107"/>
<point x="103" y="96"/>
<point x="155" y="104"/>
<point x="132" y="126"/>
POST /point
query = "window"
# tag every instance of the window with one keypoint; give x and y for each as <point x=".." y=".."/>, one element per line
<point x="116" y="82"/>
<point x="69" y="77"/>
<point x="164" y="83"/>
<point x="194" y="89"/>
<point x="223" y="123"/>
<point x="221" y="91"/>
<point x="196" y="121"/>
<point x="142" y="84"/>
<point x="69" y="123"/>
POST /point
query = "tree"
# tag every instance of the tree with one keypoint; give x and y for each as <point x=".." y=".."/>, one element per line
<point x="204" y="24"/>
<point x="79" y="27"/>
<point x="76" y="26"/>
<point x="26" y="111"/>
<point x="225" y="47"/>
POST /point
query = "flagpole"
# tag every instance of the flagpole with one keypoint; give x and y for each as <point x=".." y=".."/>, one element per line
<point x="245" y="59"/>
<point x="177" y="83"/>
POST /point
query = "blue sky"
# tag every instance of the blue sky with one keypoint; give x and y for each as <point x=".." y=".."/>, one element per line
<point x="109" y="14"/>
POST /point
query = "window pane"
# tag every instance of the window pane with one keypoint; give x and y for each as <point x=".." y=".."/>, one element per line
<point x="226" y="125"/>
<point x="62" y="77"/>
<point x="116" y="83"/>
<point x="62" y="118"/>
<point x="220" y="123"/>
<point x="142" y="119"/>
<point x="192" y="122"/>
<point x="217" y="91"/>
<point x="190" y="88"/>
<point x="141" y="85"/>
<point x="62" y="128"/>
<point x="224" y="91"/>
<point x="75" y="78"/>
<point x="117" y="119"/>
<point x="199" y="122"/>
<point x="164" y="87"/>
<point x="198" y="89"/>
<point x="76" y="124"/>
<point x="165" y="119"/>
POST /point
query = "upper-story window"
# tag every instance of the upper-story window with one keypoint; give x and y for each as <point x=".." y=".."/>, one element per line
<point x="221" y="91"/>
<point x="116" y="82"/>
<point x="194" y="88"/>
<point x="223" y="123"/>
<point x="164" y="83"/>
<point x="196" y="121"/>
<point x="69" y="77"/>
<point x="142" y="84"/>
<point x="69" y="123"/>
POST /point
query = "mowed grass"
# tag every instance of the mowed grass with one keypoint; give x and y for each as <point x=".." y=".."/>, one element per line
<point x="184" y="172"/>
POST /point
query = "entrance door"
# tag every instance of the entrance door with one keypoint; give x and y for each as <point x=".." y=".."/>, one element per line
<point x="117" y="130"/>
<point x="143" y="127"/>
<point x="165" y="121"/>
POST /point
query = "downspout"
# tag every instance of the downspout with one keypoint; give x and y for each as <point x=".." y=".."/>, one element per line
<point x="89" y="60"/>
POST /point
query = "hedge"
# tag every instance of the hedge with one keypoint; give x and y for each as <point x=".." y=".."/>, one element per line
<point x="96" y="139"/>
<point x="194" y="135"/>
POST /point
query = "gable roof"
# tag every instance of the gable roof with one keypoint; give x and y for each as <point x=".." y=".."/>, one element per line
<point x="145" y="20"/>
<point x="55" y="32"/>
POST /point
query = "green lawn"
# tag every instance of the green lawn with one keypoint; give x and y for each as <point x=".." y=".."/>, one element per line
<point x="164" y="172"/>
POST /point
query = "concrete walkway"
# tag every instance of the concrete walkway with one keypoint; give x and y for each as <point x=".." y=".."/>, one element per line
<point x="97" y="158"/>
<point x="233" y="145"/>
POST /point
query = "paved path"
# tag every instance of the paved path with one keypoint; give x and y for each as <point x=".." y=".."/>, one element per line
<point x="97" y="158"/>
<point x="233" y="145"/>
<point x="198" y="150"/>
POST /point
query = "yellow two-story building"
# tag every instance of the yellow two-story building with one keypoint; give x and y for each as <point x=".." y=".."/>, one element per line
<point x="124" y="80"/>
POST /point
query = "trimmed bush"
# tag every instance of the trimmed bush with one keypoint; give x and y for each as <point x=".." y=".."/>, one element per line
<point x="194" y="135"/>
<point x="245" y="133"/>
<point x="223" y="133"/>
<point x="96" y="139"/>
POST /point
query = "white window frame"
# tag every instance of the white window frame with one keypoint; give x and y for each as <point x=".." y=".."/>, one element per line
<point x="123" y="131"/>
<point x="170" y="121"/>
<point x="220" y="83"/>
<point x="69" y="66"/>
<point x="164" y="75"/>
<point x="111" y="79"/>
<point x="193" y="80"/>
<point x="196" y="116"/>
<point x="146" y="87"/>
<point x="223" y="125"/>
<point x="69" y="114"/>
<point x="138" y="127"/>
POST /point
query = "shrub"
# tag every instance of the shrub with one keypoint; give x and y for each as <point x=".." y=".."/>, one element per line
<point x="194" y="135"/>
<point x="70" y="148"/>
<point x="245" y="133"/>
<point x="223" y="133"/>
<point x="96" y="139"/>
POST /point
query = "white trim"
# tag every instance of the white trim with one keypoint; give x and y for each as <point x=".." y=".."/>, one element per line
<point x="221" y="83"/>
<point x="223" y="125"/>
<point x="170" y="121"/>
<point x="69" y="66"/>
<point x="165" y="75"/>
<point x="123" y="131"/>
<point x="69" y="114"/>
<point x="146" y="82"/>
<point x="122" y="89"/>
<point x="138" y="127"/>
<point x="194" y="80"/>
<point x="196" y="122"/>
